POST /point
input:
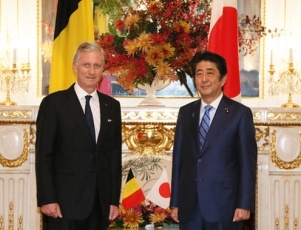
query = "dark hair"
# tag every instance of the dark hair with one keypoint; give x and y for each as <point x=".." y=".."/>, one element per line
<point x="218" y="60"/>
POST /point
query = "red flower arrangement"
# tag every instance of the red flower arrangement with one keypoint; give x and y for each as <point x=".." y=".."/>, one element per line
<point x="155" y="40"/>
<point x="151" y="40"/>
<point x="142" y="215"/>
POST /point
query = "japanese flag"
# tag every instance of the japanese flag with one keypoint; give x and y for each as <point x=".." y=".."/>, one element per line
<point x="160" y="192"/>
<point x="223" y="40"/>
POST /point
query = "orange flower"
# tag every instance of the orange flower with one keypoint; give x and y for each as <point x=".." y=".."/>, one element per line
<point x="130" y="47"/>
<point x="155" y="7"/>
<point x="154" y="55"/>
<point x="132" y="218"/>
<point x="144" y="41"/>
<point x="168" y="50"/>
<point x="132" y="20"/>
<point x="182" y="26"/>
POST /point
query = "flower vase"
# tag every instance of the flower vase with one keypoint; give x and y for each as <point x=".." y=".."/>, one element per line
<point x="151" y="99"/>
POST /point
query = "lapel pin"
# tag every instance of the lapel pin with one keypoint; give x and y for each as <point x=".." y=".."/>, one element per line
<point x="227" y="110"/>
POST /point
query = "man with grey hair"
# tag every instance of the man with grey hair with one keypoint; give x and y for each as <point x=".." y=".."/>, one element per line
<point x="78" y="150"/>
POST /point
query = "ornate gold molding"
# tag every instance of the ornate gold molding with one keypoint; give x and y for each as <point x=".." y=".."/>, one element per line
<point x="277" y="124"/>
<point x="286" y="220"/>
<point x="11" y="216"/>
<point x="22" y="158"/>
<point x="15" y="114"/>
<point x="262" y="137"/>
<point x="257" y="116"/>
<point x="142" y="115"/>
<point x="20" y="223"/>
<point x="32" y="129"/>
<point x="284" y="116"/>
<point x="296" y="224"/>
<point x="148" y="138"/>
<point x="1" y="223"/>
<point x="281" y="163"/>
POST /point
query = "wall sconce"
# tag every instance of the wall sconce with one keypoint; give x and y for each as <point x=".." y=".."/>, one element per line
<point x="288" y="81"/>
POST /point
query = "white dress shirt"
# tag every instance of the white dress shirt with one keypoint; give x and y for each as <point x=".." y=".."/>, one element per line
<point x="94" y="103"/>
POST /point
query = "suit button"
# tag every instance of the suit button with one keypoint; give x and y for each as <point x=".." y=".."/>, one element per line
<point x="200" y="160"/>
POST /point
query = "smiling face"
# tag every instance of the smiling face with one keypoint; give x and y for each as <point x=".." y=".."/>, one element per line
<point x="88" y="68"/>
<point x="208" y="81"/>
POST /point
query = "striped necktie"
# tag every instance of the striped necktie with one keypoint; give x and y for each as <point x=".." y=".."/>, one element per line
<point x="204" y="126"/>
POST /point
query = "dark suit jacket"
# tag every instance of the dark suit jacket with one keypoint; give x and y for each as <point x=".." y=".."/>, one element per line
<point x="69" y="165"/>
<point x="223" y="174"/>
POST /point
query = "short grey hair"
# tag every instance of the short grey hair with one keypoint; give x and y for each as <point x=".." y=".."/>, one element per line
<point x="88" y="46"/>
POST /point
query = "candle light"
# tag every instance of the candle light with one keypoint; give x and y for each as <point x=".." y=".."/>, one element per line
<point x="291" y="55"/>
<point x="271" y="61"/>
<point x="14" y="56"/>
<point x="28" y="55"/>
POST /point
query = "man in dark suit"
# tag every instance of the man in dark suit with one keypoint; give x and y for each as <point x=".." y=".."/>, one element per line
<point x="213" y="173"/>
<point x="78" y="169"/>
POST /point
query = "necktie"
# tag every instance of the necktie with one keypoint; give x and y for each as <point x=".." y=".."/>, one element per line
<point x="89" y="116"/>
<point x="204" y="126"/>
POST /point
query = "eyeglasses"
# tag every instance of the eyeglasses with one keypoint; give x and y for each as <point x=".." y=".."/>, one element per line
<point x="95" y="66"/>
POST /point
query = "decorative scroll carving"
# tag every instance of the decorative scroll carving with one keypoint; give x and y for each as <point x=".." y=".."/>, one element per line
<point x="296" y="224"/>
<point x="149" y="115"/>
<point x="262" y="137"/>
<point x="286" y="218"/>
<point x="1" y="223"/>
<point x="148" y="138"/>
<point x="20" y="222"/>
<point x="286" y="221"/>
<point x="276" y="224"/>
<point x="280" y="162"/>
<point x="289" y="116"/>
<point x="16" y="114"/>
<point x="11" y="216"/>
<point x="257" y="116"/>
<point x="22" y="158"/>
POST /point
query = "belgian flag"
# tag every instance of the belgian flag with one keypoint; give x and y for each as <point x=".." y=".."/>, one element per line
<point x="132" y="192"/>
<point x="73" y="25"/>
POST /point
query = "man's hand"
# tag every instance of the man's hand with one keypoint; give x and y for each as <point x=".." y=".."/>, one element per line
<point x="114" y="212"/>
<point x="52" y="210"/>
<point x="241" y="214"/>
<point x="174" y="214"/>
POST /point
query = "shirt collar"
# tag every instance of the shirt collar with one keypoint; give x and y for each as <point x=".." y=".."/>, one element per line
<point x="82" y="93"/>
<point x="214" y="104"/>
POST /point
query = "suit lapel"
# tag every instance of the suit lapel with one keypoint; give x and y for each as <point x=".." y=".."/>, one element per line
<point x="104" y="106"/>
<point x="76" y="111"/>
<point x="195" y="116"/>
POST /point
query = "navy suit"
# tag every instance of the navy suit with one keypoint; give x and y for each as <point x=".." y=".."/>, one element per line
<point x="221" y="176"/>
<point x="70" y="166"/>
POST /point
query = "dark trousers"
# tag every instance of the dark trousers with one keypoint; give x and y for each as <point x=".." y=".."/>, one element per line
<point x="95" y="221"/>
<point x="197" y="222"/>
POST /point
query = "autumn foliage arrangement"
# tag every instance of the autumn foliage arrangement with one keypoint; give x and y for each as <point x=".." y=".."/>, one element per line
<point x="149" y="40"/>
<point x="155" y="40"/>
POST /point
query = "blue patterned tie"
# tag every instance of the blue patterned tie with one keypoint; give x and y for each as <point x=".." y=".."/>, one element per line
<point x="89" y="116"/>
<point x="204" y="126"/>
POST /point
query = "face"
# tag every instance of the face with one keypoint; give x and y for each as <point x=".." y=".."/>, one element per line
<point x="208" y="82"/>
<point x="88" y="69"/>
